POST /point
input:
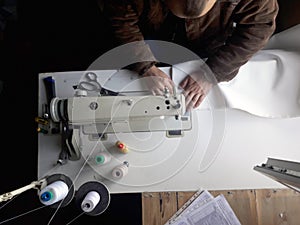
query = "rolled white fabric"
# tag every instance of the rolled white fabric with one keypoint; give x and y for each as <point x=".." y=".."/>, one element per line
<point x="54" y="192"/>
<point x="90" y="201"/>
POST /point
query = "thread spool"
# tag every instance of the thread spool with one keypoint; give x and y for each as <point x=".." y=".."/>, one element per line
<point x="50" y="180"/>
<point x="102" y="158"/>
<point x="90" y="201"/>
<point x="120" y="171"/>
<point x="54" y="192"/>
<point x="122" y="147"/>
<point x="92" y="198"/>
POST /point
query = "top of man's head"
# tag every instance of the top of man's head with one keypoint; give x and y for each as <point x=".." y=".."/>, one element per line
<point x="189" y="8"/>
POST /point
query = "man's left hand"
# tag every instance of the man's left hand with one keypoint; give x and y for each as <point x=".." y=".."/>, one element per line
<point x="196" y="87"/>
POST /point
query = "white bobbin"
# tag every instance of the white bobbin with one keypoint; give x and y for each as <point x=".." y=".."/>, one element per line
<point x="120" y="171"/>
<point x="90" y="201"/>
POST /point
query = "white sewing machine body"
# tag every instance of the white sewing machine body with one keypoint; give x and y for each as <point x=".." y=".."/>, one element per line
<point x="114" y="114"/>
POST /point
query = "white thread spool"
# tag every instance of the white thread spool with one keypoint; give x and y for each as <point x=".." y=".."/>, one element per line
<point x="102" y="158"/>
<point x="120" y="171"/>
<point x="90" y="201"/>
<point x="54" y="192"/>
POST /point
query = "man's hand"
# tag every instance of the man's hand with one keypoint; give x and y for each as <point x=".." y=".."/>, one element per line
<point x="158" y="81"/>
<point x="196" y="87"/>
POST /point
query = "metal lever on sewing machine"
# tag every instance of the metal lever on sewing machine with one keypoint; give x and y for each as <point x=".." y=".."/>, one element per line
<point x="69" y="151"/>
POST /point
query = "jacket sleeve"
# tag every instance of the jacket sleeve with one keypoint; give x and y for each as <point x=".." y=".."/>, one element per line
<point x="123" y="16"/>
<point x="255" y="23"/>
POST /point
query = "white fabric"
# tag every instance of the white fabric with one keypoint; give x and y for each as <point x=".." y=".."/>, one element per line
<point x="268" y="85"/>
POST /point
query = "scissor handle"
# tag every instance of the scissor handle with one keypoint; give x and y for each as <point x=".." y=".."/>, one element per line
<point x="89" y="86"/>
<point x="91" y="76"/>
<point x="92" y="84"/>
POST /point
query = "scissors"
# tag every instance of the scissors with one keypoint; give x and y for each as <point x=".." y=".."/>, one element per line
<point x="93" y="85"/>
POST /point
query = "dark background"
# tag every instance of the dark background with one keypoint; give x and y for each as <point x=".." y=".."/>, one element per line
<point x="50" y="36"/>
<point x="46" y="36"/>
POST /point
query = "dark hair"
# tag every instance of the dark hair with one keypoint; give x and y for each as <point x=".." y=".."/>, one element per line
<point x="193" y="7"/>
<point x="187" y="8"/>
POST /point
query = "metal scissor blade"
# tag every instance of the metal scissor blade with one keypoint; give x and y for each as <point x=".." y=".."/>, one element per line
<point x="107" y="92"/>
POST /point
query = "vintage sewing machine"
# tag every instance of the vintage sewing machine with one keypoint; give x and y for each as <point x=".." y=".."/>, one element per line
<point x="112" y="112"/>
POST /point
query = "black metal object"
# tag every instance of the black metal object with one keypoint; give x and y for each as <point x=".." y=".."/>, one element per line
<point x="283" y="171"/>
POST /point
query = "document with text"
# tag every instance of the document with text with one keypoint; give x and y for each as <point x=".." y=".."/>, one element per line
<point x="204" y="209"/>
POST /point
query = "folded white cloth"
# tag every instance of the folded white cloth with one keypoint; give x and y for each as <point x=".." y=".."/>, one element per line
<point x="268" y="85"/>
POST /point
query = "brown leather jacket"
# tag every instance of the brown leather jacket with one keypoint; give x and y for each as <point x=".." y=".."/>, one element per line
<point x="228" y="35"/>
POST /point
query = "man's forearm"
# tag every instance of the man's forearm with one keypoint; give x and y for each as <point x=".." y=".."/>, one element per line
<point x="253" y="30"/>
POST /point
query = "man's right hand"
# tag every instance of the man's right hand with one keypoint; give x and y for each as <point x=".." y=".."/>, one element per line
<point x="158" y="81"/>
